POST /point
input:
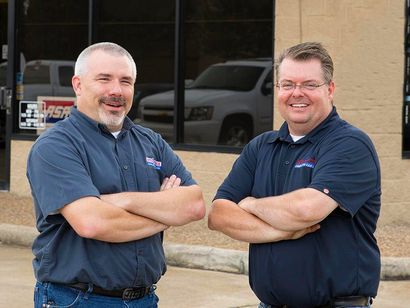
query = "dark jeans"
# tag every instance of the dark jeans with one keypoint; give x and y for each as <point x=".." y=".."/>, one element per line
<point x="51" y="295"/>
<point x="262" y="305"/>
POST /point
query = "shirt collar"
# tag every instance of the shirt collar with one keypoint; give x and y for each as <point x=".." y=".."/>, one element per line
<point x="316" y="134"/>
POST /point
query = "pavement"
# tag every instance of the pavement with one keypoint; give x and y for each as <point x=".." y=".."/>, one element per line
<point x="197" y="276"/>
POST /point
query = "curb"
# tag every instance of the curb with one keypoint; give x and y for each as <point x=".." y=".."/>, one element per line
<point x="203" y="257"/>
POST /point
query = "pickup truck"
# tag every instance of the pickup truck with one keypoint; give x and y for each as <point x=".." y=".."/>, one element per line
<point x="228" y="104"/>
<point x="47" y="78"/>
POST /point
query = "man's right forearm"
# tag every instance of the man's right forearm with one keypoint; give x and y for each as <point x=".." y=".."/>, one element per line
<point x="129" y="227"/>
<point x="93" y="218"/>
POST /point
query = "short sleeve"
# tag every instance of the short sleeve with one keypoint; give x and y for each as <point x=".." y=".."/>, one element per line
<point x="348" y="171"/>
<point x="172" y="164"/>
<point x="57" y="175"/>
<point x="239" y="182"/>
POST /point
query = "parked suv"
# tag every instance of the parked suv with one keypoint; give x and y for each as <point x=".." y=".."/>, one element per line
<point x="229" y="103"/>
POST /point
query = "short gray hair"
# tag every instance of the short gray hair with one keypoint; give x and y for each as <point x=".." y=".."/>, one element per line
<point x="108" y="47"/>
<point x="307" y="51"/>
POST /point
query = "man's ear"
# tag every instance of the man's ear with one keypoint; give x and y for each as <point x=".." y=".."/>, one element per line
<point x="331" y="90"/>
<point x="76" y="82"/>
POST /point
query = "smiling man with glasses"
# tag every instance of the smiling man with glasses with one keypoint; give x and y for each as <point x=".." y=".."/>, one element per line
<point x="306" y="197"/>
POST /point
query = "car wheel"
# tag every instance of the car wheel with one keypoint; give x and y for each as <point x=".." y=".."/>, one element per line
<point x="235" y="133"/>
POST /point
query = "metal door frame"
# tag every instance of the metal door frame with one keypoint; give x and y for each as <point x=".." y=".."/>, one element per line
<point x="9" y="95"/>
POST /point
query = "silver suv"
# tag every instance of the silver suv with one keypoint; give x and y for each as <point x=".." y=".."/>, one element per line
<point x="228" y="104"/>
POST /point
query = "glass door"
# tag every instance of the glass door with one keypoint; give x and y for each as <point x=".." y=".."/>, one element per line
<point x="3" y="83"/>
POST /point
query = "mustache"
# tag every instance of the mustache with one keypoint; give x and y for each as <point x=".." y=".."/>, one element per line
<point x="112" y="99"/>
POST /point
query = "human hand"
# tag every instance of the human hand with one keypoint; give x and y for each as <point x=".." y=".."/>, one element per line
<point x="247" y="204"/>
<point x="171" y="182"/>
<point x="294" y="235"/>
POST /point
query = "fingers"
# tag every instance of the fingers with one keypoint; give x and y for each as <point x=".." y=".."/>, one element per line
<point x="164" y="183"/>
<point x="171" y="182"/>
<point x="303" y="232"/>
<point x="313" y="228"/>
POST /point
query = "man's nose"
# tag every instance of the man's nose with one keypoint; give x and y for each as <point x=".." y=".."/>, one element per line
<point x="297" y="91"/>
<point x="115" y="88"/>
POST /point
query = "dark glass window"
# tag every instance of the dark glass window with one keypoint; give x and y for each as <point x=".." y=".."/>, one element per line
<point x="228" y="60"/>
<point x="227" y="63"/>
<point x="228" y="77"/>
<point x="146" y="29"/>
<point x="51" y="34"/>
<point x="406" y="100"/>
<point x="3" y="74"/>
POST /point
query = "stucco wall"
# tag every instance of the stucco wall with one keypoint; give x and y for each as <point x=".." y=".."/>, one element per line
<point x="18" y="181"/>
<point x="209" y="169"/>
<point x="365" y="39"/>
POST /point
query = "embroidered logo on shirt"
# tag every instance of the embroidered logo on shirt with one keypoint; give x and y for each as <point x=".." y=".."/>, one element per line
<point x="153" y="163"/>
<point x="309" y="162"/>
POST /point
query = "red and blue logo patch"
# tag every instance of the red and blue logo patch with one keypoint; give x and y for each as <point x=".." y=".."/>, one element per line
<point x="153" y="163"/>
<point x="306" y="162"/>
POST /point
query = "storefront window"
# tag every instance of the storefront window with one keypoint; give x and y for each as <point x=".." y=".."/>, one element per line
<point x="406" y="100"/>
<point x="228" y="75"/>
<point x="50" y="36"/>
<point x="146" y="29"/>
<point x="227" y="63"/>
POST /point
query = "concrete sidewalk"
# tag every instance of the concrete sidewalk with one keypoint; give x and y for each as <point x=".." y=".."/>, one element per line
<point x="203" y="257"/>
<point x="179" y="288"/>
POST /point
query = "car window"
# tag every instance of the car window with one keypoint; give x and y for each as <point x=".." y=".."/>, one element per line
<point x="267" y="84"/>
<point x="36" y="74"/>
<point x="228" y="77"/>
<point x="65" y="74"/>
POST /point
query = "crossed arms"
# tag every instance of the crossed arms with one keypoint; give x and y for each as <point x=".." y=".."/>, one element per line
<point x="131" y="216"/>
<point x="271" y="219"/>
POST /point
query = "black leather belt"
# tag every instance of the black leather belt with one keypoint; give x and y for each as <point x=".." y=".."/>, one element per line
<point x="349" y="301"/>
<point x="125" y="294"/>
<point x="338" y="302"/>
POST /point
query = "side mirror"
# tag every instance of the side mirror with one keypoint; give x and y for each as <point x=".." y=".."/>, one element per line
<point x="188" y="83"/>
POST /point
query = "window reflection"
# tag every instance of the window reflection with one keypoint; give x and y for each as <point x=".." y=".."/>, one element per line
<point x="48" y="78"/>
<point x="50" y="36"/>
<point x="228" y="51"/>
<point x="227" y="104"/>
<point x="406" y="100"/>
<point x="228" y="75"/>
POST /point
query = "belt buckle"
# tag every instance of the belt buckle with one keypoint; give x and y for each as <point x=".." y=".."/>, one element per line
<point x="133" y="293"/>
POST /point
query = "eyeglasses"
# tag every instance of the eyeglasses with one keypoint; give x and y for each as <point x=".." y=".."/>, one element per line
<point x="291" y="86"/>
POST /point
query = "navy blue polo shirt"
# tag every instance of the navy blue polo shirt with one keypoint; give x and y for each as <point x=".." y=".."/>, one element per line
<point x="77" y="158"/>
<point x="342" y="257"/>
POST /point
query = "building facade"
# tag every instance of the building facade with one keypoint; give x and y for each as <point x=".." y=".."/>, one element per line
<point x="196" y="58"/>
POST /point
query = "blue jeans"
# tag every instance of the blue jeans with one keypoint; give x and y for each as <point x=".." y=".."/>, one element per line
<point x="51" y="295"/>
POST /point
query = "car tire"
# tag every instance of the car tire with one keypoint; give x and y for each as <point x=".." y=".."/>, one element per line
<point x="235" y="132"/>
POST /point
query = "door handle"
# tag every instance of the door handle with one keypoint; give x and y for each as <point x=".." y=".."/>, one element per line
<point x="5" y="99"/>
